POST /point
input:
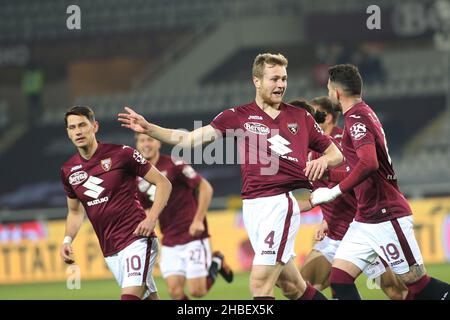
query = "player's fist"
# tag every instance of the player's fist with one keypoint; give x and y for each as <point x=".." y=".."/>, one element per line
<point x="66" y="253"/>
<point x="145" y="227"/>
<point x="324" y="195"/>
<point x="134" y="121"/>
<point x="196" y="228"/>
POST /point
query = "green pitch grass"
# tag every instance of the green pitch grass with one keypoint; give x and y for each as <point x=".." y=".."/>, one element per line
<point x="108" y="289"/>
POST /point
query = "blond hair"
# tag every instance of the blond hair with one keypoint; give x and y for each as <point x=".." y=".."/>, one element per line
<point x="267" y="58"/>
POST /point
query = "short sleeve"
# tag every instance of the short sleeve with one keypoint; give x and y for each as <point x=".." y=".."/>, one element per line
<point x="187" y="175"/>
<point x="318" y="141"/>
<point x="135" y="161"/>
<point x="225" y="120"/>
<point x="359" y="129"/>
<point x="67" y="187"/>
<point x="145" y="193"/>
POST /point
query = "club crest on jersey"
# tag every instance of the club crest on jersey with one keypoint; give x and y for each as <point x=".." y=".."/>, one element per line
<point x="106" y="164"/>
<point x="293" y="127"/>
<point x="358" y="130"/>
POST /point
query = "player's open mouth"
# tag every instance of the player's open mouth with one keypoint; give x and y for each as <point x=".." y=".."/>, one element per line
<point x="79" y="139"/>
<point x="278" y="93"/>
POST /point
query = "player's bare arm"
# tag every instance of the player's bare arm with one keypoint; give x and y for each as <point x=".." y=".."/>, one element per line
<point x="138" y="123"/>
<point x="163" y="189"/>
<point x="75" y="217"/>
<point x="205" y="193"/>
<point x="315" y="169"/>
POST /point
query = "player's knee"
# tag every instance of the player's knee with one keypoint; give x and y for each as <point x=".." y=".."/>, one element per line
<point x="176" y="292"/>
<point x="198" y="291"/>
<point x="392" y="292"/>
<point x="290" y="289"/>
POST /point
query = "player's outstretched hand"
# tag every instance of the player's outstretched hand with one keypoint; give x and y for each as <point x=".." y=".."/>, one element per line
<point x="145" y="227"/>
<point x="66" y="253"/>
<point x="315" y="169"/>
<point x="196" y="228"/>
<point x="324" y="195"/>
<point x="133" y="121"/>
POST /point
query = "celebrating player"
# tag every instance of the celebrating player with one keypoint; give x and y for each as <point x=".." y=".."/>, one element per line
<point x="273" y="140"/>
<point x="101" y="178"/>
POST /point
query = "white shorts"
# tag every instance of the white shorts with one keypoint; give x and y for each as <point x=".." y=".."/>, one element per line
<point x="328" y="247"/>
<point x="272" y="224"/>
<point x="393" y="240"/>
<point x="190" y="260"/>
<point x="133" y="265"/>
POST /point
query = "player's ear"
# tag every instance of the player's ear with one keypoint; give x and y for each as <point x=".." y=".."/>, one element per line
<point x="257" y="82"/>
<point x="96" y="126"/>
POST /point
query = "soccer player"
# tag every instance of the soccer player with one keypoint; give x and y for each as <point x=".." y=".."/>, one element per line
<point x="273" y="140"/>
<point x="383" y="224"/>
<point x="337" y="214"/>
<point x="185" y="251"/>
<point x="101" y="178"/>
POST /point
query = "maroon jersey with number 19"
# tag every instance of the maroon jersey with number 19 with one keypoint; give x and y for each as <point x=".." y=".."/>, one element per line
<point x="106" y="186"/>
<point x="379" y="198"/>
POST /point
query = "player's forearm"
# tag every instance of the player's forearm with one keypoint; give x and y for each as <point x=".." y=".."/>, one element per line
<point x="366" y="165"/>
<point x="333" y="155"/>
<point x="169" y="136"/>
<point x="73" y="223"/>
<point x="205" y="194"/>
<point x="162" y="194"/>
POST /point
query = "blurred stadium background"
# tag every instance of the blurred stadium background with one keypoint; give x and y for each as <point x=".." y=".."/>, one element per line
<point x="177" y="61"/>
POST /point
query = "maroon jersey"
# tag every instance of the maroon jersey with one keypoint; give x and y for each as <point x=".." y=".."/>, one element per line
<point x="340" y="212"/>
<point x="379" y="198"/>
<point x="272" y="152"/>
<point x="177" y="216"/>
<point x="106" y="186"/>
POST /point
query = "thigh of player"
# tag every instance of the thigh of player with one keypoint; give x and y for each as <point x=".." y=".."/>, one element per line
<point x="272" y="224"/>
<point x="173" y="261"/>
<point x="198" y="258"/>
<point x="133" y="266"/>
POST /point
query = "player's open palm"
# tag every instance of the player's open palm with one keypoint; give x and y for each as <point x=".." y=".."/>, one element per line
<point x="315" y="169"/>
<point x="134" y="121"/>
<point x="196" y="228"/>
<point x="66" y="253"/>
<point x="145" y="227"/>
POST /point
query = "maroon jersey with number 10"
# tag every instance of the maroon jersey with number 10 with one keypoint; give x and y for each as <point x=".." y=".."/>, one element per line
<point x="106" y="186"/>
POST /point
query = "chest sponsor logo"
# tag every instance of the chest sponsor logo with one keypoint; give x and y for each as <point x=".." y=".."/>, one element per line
<point x="255" y="118"/>
<point x="358" y="131"/>
<point x="77" y="177"/>
<point x="293" y="127"/>
<point x="257" y="128"/>
<point x="106" y="164"/>
<point x="78" y="167"/>
<point x="139" y="157"/>
<point x="93" y="186"/>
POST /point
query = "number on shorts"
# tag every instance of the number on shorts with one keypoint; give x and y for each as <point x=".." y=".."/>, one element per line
<point x="196" y="256"/>
<point x="269" y="239"/>
<point x="134" y="262"/>
<point x="391" y="251"/>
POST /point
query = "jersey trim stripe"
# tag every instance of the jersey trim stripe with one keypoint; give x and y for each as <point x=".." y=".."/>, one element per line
<point x="403" y="243"/>
<point x="287" y="224"/>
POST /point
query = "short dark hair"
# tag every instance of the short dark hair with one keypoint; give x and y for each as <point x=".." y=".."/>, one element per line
<point x="80" y="111"/>
<point x="328" y="106"/>
<point x="348" y="77"/>
<point x="302" y="103"/>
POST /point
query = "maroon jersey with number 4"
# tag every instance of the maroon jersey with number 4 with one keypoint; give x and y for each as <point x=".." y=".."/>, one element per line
<point x="273" y="152"/>
<point x="379" y="198"/>
<point x="106" y="186"/>
<point x="177" y="216"/>
<point x="340" y="212"/>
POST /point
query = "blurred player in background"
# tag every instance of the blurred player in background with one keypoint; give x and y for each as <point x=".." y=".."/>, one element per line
<point x="273" y="139"/>
<point x="186" y="251"/>
<point x="337" y="215"/>
<point x="383" y="224"/>
<point x="101" y="178"/>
